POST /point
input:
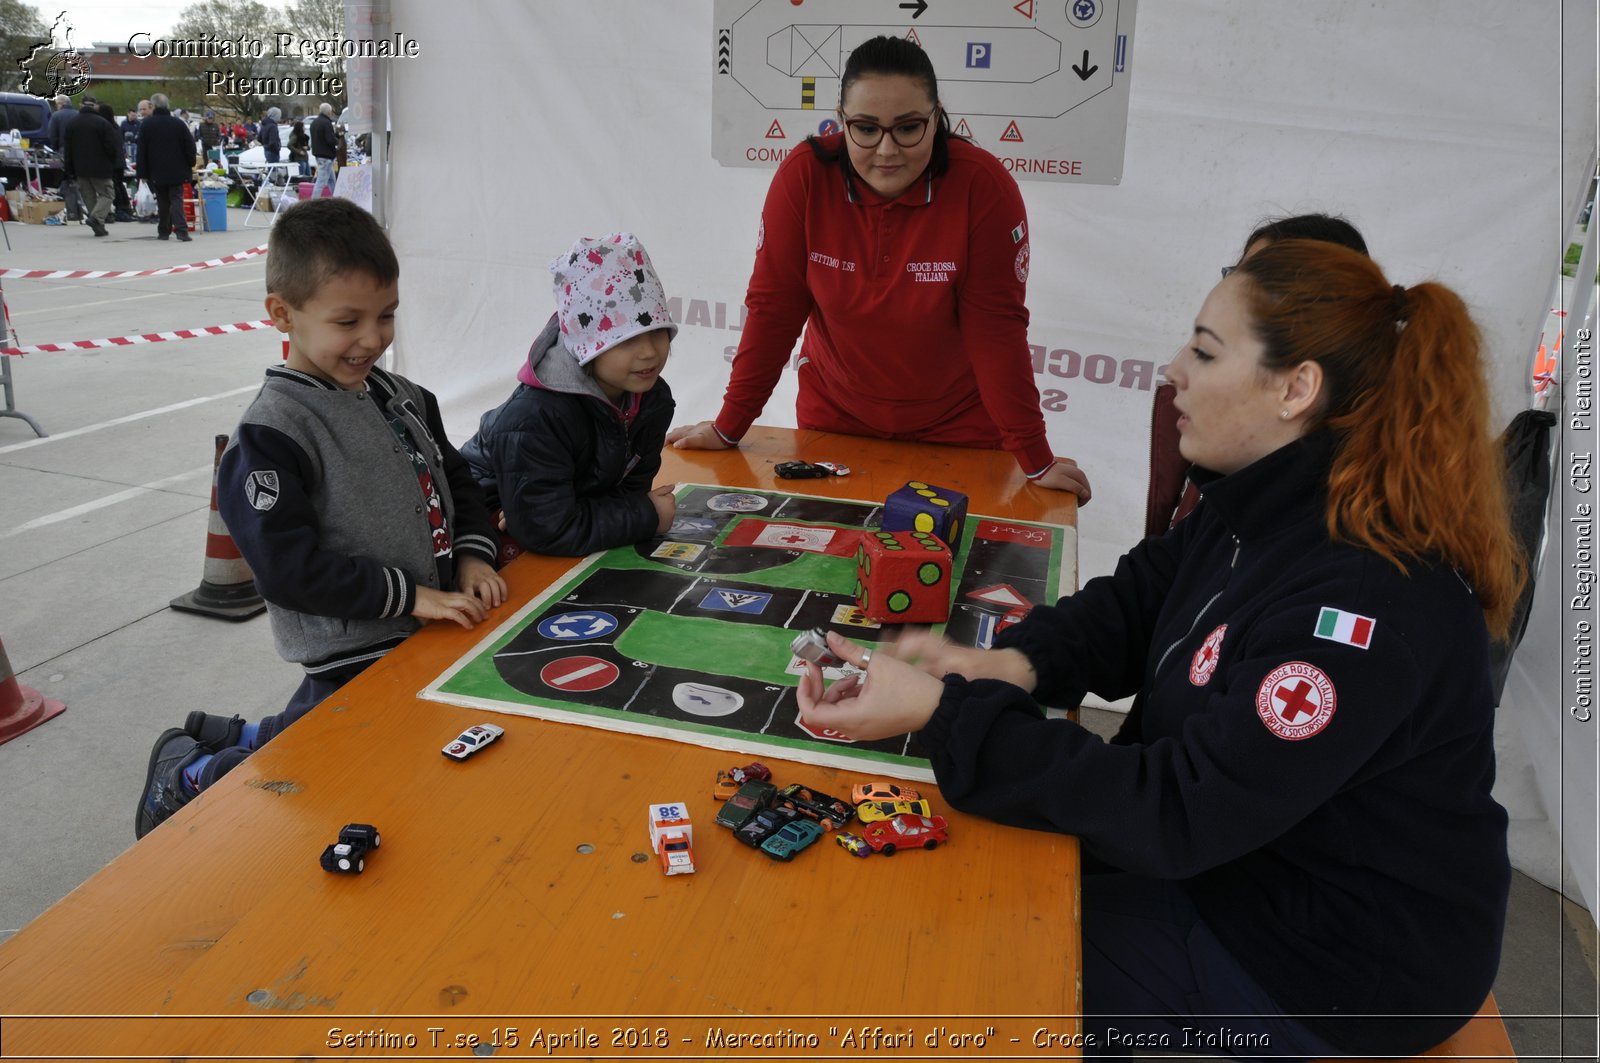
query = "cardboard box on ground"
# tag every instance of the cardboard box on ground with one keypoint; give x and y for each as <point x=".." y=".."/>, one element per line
<point x="33" y="211"/>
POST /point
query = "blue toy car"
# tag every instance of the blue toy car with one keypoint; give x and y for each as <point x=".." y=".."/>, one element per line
<point x="791" y="838"/>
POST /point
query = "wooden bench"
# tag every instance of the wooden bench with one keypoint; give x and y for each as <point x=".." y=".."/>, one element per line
<point x="1483" y="1038"/>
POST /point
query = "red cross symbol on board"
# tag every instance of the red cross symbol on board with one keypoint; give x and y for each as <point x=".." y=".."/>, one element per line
<point x="1295" y="702"/>
<point x="792" y="538"/>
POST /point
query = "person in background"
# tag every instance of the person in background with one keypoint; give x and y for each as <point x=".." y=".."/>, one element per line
<point x="1293" y="834"/>
<point x="572" y="455"/>
<point x="121" y="205"/>
<point x="92" y="159"/>
<point x="299" y="146"/>
<point x="166" y="163"/>
<point x="902" y="251"/>
<point x="55" y="135"/>
<point x="325" y="149"/>
<point x="271" y="139"/>
<point x="130" y="130"/>
<point x="209" y="137"/>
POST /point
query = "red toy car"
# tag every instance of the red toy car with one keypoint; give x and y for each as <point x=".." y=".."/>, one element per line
<point x="905" y="832"/>
<point x="754" y="770"/>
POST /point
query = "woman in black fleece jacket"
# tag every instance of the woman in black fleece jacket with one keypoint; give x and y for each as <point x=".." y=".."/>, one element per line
<point x="1290" y="848"/>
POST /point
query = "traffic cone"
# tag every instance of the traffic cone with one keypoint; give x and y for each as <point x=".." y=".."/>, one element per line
<point x="21" y="708"/>
<point x="227" y="589"/>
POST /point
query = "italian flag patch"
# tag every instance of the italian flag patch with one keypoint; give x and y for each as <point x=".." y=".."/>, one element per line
<point x="1019" y="232"/>
<point x="1336" y="625"/>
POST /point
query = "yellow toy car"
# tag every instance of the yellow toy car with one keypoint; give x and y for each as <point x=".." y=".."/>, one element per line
<point x="872" y="811"/>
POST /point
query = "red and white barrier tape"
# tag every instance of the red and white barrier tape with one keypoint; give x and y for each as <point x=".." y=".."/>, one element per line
<point x="102" y="274"/>
<point x="148" y="337"/>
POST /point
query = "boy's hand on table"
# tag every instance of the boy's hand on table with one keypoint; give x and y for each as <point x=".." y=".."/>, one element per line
<point x="434" y="604"/>
<point x="478" y="578"/>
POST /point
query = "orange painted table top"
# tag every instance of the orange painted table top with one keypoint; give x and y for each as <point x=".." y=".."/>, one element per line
<point x="514" y="899"/>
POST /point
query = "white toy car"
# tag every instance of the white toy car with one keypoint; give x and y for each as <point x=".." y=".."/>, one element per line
<point x="471" y="740"/>
<point x="672" y="837"/>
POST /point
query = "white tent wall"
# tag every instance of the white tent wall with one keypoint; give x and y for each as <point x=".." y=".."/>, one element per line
<point x="1442" y="128"/>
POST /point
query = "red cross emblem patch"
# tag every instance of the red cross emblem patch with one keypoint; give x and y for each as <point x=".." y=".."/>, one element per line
<point x="1295" y="700"/>
<point x="1206" y="657"/>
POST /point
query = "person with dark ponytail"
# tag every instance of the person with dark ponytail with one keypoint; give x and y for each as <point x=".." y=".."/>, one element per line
<point x="1290" y="847"/>
<point x="902" y="250"/>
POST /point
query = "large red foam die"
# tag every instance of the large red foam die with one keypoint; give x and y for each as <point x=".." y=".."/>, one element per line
<point x="903" y="577"/>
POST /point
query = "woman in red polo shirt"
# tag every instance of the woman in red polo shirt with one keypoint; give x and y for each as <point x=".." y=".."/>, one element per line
<point x="903" y="252"/>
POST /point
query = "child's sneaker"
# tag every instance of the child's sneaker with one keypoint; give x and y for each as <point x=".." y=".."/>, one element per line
<point x="163" y="783"/>
<point x="212" y="731"/>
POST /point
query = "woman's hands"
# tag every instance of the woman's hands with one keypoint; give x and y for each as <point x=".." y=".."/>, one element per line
<point x="903" y="683"/>
<point x="892" y="698"/>
<point x="702" y="436"/>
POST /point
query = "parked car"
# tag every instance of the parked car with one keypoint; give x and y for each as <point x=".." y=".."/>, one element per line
<point x="888" y="836"/>
<point x="791" y="838"/>
<point x="254" y="157"/>
<point x="28" y="115"/>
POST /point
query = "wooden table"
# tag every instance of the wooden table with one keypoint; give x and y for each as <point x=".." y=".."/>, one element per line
<point x="516" y="889"/>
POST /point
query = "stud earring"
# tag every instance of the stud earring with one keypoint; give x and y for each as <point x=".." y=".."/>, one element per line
<point x="1285" y="415"/>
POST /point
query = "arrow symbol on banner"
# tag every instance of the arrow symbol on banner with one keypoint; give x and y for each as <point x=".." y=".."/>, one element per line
<point x="1084" y="72"/>
<point x="920" y="6"/>
<point x="723" y="38"/>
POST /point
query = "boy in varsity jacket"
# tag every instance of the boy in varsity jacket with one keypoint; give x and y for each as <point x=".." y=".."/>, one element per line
<point x="357" y="517"/>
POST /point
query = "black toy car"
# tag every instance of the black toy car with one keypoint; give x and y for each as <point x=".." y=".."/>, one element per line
<point x="806" y="470"/>
<point x="348" y="855"/>
<point x="828" y="811"/>
<point x="764" y="824"/>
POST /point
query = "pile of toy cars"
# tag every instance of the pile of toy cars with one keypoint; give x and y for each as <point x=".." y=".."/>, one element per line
<point x="782" y="822"/>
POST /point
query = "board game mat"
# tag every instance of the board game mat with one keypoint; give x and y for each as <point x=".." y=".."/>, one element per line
<point x="687" y="636"/>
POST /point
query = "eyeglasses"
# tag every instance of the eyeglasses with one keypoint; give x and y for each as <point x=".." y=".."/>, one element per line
<point x="907" y="134"/>
<point x="1228" y="269"/>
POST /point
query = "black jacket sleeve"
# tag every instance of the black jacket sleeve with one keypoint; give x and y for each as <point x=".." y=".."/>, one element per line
<point x="1097" y="639"/>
